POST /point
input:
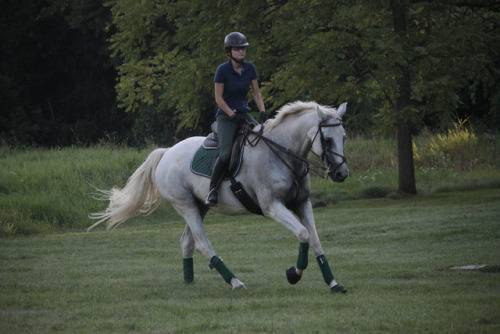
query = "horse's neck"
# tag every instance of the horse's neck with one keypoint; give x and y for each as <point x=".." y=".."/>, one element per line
<point x="293" y="134"/>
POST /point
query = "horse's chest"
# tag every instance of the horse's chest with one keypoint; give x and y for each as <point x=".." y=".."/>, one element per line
<point x="296" y="192"/>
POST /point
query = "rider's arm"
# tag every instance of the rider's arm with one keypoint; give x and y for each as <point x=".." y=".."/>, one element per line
<point x="257" y="96"/>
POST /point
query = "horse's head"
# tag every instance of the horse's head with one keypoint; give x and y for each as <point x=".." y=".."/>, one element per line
<point x="328" y="143"/>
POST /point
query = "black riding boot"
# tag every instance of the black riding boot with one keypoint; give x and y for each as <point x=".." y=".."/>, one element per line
<point x="217" y="175"/>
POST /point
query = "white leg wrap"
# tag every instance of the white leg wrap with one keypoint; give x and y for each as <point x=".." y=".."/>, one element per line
<point x="299" y="271"/>
<point x="333" y="283"/>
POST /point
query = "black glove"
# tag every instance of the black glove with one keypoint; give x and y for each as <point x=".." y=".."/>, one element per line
<point x="263" y="117"/>
<point x="238" y="120"/>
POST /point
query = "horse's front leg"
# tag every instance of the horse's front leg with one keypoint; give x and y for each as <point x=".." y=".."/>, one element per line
<point x="282" y="215"/>
<point x="305" y="213"/>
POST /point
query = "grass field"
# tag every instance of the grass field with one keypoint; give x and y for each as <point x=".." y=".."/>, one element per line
<point x="51" y="190"/>
<point x="393" y="255"/>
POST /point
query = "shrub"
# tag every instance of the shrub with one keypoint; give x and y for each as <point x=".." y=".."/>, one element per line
<point x="458" y="148"/>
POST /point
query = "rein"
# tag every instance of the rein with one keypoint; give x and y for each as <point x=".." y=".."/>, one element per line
<point x="275" y="147"/>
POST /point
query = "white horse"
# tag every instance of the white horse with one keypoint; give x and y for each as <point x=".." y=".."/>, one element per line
<point x="274" y="172"/>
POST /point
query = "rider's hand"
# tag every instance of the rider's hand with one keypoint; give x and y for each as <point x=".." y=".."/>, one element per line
<point x="238" y="119"/>
<point x="263" y="117"/>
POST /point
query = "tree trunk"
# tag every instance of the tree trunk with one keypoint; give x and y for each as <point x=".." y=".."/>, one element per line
<point x="406" y="168"/>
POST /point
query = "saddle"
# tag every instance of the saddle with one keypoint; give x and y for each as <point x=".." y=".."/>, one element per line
<point x="204" y="159"/>
<point x="211" y="142"/>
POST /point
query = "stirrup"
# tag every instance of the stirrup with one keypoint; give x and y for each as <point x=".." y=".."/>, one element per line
<point x="212" y="198"/>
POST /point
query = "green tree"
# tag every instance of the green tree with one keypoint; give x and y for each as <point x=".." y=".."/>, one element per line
<point x="406" y="167"/>
<point x="407" y="61"/>
<point x="401" y="64"/>
<point x="168" y="53"/>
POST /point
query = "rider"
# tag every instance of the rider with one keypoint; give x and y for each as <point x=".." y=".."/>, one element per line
<point x="233" y="80"/>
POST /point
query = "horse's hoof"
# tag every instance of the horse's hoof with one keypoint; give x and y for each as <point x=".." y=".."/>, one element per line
<point x="237" y="284"/>
<point x="338" y="288"/>
<point x="292" y="276"/>
<point x="239" y="287"/>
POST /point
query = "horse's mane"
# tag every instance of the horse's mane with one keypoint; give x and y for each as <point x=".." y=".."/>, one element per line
<point x="295" y="108"/>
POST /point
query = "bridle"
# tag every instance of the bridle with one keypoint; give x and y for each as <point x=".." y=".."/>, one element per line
<point x="324" y="146"/>
<point x="317" y="169"/>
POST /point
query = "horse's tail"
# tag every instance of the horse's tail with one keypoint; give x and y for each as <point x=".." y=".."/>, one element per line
<point x="139" y="196"/>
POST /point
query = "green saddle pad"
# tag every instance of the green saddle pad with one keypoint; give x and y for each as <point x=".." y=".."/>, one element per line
<point x="202" y="162"/>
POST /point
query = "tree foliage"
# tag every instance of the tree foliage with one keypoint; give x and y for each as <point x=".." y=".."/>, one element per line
<point x="311" y="50"/>
<point x="81" y="70"/>
<point x="402" y="64"/>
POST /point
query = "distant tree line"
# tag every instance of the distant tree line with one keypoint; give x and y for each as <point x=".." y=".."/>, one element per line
<point x="82" y="71"/>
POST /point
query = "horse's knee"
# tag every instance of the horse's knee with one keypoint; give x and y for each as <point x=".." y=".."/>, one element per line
<point x="206" y="250"/>
<point x="303" y="234"/>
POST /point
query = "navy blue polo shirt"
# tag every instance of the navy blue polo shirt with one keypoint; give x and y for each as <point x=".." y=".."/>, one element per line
<point x="236" y="86"/>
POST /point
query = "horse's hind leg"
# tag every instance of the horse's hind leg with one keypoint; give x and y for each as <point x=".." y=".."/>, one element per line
<point x="187" y="246"/>
<point x="195" y="236"/>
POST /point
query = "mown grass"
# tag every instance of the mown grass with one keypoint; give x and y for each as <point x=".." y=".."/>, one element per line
<point x="394" y="256"/>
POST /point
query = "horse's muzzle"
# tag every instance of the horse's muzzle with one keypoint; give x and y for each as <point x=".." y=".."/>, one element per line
<point x="339" y="174"/>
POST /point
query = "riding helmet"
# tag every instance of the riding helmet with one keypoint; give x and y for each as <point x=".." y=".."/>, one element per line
<point x="235" y="39"/>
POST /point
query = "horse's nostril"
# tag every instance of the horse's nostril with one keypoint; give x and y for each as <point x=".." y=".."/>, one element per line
<point x="340" y="176"/>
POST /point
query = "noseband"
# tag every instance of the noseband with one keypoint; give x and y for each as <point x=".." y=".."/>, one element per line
<point x="325" y="148"/>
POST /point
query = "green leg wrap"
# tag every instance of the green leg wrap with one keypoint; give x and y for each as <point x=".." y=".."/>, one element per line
<point x="216" y="262"/>
<point x="187" y="265"/>
<point x="302" y="258"/>
<point x="325" y="269"/>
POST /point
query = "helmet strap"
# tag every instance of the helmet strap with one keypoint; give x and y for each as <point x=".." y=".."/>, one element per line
<point x="230" y="55"/>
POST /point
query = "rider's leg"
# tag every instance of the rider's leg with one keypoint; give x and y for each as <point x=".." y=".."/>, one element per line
<point x="226" y="128"/>
<point x="250" y="119"/>
<point x="218" y="173"/>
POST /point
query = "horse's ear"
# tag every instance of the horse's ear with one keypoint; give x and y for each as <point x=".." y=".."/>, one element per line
<point x="321" y="114"/>
<point x="341" y="110"/>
